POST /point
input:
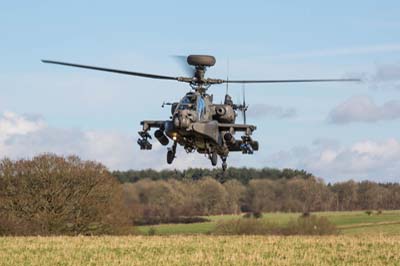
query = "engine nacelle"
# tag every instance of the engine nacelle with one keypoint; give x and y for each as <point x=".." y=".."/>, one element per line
<point x="223" y="113"/>
<point x="229" y="138"/>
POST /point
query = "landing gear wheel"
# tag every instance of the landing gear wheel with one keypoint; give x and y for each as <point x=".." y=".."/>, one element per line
<point x="170" y="156"/>
<point x="224" y="166"/>
<point x="214" y="158"/>
<point x="171" y="153"/>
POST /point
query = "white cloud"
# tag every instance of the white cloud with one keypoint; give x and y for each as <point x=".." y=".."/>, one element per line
<point x="23" y="136"/>
<point x="375" y="160"/>
<point x="363" y="109"/>
<point x="383" y="77"/>
<point x="13" y="124"/>
<point x="387" y="72"/>
<point x="386" y="76"/>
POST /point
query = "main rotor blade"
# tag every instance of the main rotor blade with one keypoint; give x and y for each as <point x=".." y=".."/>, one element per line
<point x="145" y="75"/>
<point x="288" y="80"/>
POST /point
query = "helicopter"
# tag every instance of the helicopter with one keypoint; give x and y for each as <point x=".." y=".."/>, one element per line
<point x="196" y="123"/>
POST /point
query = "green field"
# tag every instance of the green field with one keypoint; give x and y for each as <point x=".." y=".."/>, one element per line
<point x="364" y="240"/>
<point x="357" y="222"/>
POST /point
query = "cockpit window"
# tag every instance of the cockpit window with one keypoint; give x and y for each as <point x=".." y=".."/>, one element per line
<point x="185" y="100"/>
<point x="186" y="104"/>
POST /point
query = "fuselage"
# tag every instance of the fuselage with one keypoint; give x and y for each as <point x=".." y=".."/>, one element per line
<point x="195" y="122"/>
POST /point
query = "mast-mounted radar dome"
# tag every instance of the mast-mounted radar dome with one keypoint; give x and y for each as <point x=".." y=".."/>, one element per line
<point x="201" y="60"/>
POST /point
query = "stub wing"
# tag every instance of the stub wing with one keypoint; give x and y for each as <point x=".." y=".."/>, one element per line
<point x="246" y="144"/>
<point x="148" y="124"/>
<point x="236" y="127"/>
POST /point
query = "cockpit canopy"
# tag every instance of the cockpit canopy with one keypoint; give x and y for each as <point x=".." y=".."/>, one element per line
<point x="188" y="102"/>
<point x="193" y="102"/>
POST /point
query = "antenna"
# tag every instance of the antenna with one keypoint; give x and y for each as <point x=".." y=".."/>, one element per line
<point x="244" y="103"/>
<point x="227" y="75"/>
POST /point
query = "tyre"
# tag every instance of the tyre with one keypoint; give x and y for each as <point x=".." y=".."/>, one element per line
<point x="224" y="166"/>
<point x="214" y="159"/>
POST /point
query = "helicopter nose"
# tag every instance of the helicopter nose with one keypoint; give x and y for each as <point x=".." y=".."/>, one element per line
<point x="182" y="119"/>
<point x="176" y="121"/>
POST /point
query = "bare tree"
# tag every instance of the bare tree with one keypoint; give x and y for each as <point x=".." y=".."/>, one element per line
<point x="53" y="195"/>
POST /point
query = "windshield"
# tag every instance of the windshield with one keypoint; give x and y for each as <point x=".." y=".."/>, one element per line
<point x="186" y="103"/>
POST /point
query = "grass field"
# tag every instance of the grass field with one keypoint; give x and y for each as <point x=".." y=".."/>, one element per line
<point x="201" y="250"/>
<point x="349" y="223"/>
<point x="365" y="240"/>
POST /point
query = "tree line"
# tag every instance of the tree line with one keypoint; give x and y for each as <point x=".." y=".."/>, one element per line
<point x="206" y="196"/>
<point x="244" y="175"/>
<point x="249" y="189"/>
<point x="50" y="194"/>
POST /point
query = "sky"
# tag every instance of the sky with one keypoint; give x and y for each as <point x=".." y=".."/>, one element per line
<point x="337" y="131"/>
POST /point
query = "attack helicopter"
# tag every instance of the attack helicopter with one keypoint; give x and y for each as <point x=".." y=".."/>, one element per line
<point x="196" y="122"/>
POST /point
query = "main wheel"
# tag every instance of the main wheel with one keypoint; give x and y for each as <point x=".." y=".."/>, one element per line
<point x="170" y="157"/>
<point x="214" y="158"/>
<point x="224" y="166"/>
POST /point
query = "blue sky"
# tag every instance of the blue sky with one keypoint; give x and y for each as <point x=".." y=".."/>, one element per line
<point x="337" y="131"/>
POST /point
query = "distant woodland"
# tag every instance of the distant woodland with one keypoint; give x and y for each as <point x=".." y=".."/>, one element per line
<point x="243" y="175"/>
<point x="205" y="192"/>
<point x="49" y="194"/>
